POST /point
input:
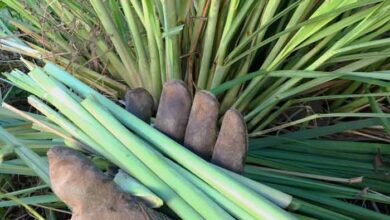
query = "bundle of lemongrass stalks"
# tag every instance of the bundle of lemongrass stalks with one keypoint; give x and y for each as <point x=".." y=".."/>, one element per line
<point x="190" y="186"/>
<point x="347" y="176"/>
<point x="32" y="139"/>
<point x="23" y="144"/>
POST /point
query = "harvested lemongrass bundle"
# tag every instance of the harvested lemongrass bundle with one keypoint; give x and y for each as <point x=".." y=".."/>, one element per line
<point x="327" y="172"/>
<point x="141" y="159"/>
<point x="313" y="156"/>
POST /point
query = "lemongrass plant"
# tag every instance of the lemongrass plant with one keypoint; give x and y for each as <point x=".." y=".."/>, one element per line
<point x="210" y="42"/>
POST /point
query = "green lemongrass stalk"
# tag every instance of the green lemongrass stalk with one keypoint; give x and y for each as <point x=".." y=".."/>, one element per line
<point x="317" y="116"/>
<point x="308" y="99"/>
<point x="317" y="211"/>
<point x="229" y="206"/>
<point x="27" y="155"/>
<point x="343" y="74"/>
<point x="296" y="162"/>
<point x="360" y="148"/>
<point x="132" y="78"/>
<point x="317" y="177"/>
<point x="324" y="152"/>
<point x="230" y="29"/>
<point x="18" y="170"/>
<point x="376" y="108"/>
<point x="283" y="200"/>
<point x="171" y="40"/>
<point x="118" y="19"/>
<point x="10" y="45"/>
<point x="356" y="105"/>
<point x="41" y="149"/>
<point x="17" y="201"/>
<point x="362" y="162"/>
<point x="229" y="98"/>
<point x="359" y="56"/>
<point x="336" y="205"/>
<point x="243" y="197"/>
<point x="111" y="147"/>
<point x="319" y="159"/>
<point x="305" y="134"/>
<point x="138" y="10"/>
<point x="136" y="35"/>
<point x="42" y="124"/>
<point x="202" y="9"/>
<point x="5" y="31"/>
<point x="301" y="61"/>
<point x="11" y="127"/>
<point x="28" y="190"/>
<point x="80" y="70"/>
<point x="273" y="116"/>
<point x="105" y="90"/>
<point x="365" y="45"/>
<point x="33" y="200"/>
<point x="35" y="135"/>
<point x="62" y="122"/>
<point x="97" y="80"/>
<point x="155" y="161"/>
<point x="351" y="88"/>
<point x="283" y="92"/>
<point x="297" y="15"/>
<point x="153" y="44"/>
<point x="100" y="163"/>
<point x="130" y="185"/>
<point x="346" y="22"/>
<point x="46" y="126"/>
<point x="6" y="150"/>
<point x="209" y="42"/>
<point x="373" y="179"/>
<point x="314" y="185"/>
